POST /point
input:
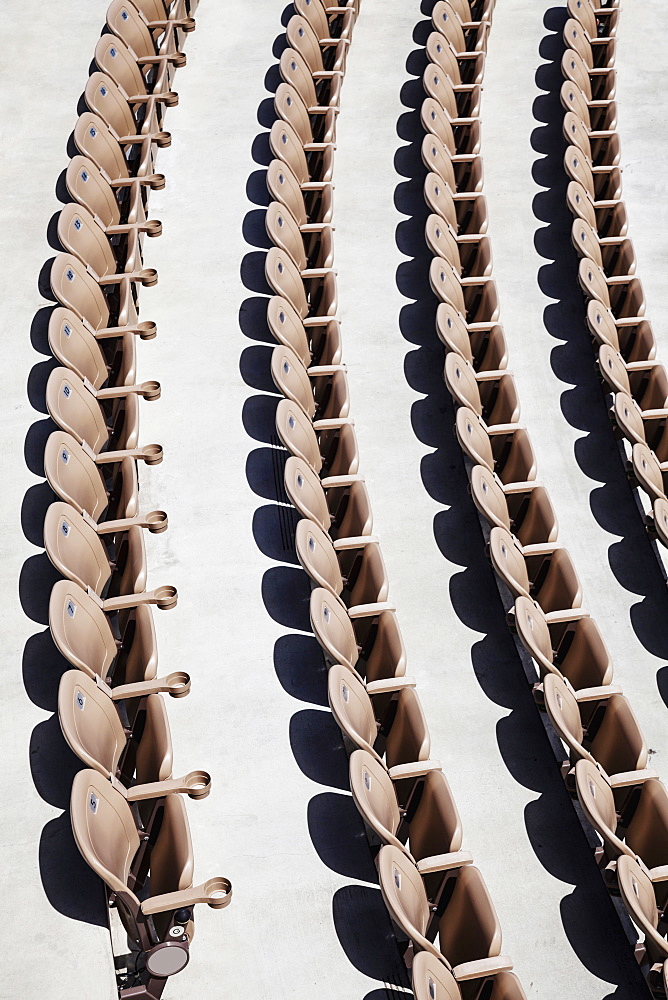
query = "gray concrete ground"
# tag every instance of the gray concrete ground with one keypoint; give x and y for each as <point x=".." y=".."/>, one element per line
<point x="307" y="916"/>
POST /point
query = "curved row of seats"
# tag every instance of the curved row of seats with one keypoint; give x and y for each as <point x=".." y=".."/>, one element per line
<point x="128" y="815"/>
<point x="621" y="333"/>
<point x="437" y="899"/>
<point x="607" y="769"/>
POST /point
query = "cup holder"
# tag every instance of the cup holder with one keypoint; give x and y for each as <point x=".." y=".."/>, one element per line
<point x="162" y="139"/>
<point x="152" y="454"/>
<point x="179" y="58"/>
<point x="198" y="784"/>
<point x="178" y="684"/>
<point x="170" y="99"/>
<point x="152" y="228"/>
<point x="188" y="24"/>
<point x="156" y="521"/>
<point x="166" y="597"/>
<point x="219" y="892"/>
<point x="148" y="330"/>
<point x="151" y="391"/>
<point x="157" y="182"/>
<point x="148" y="277"/>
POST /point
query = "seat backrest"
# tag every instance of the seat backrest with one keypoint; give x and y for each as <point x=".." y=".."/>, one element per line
<point x="303" y="39"/>
<point x="404" y="895"/>
<point x="639" y="898"/>
<point x="87" y="186"/>
<point x="74" y="409"/>
<point x="473" y="437"/>
<point x="80" y="234"/>
<point x="74" y="548"/>
<point x="572" y="99"/>
<point x="287" y="327"/>
<point x="446" y="21"/>
<point x="582" y="12"/>
<point x="115" y="60"/>
<point x="73" y="476"/>
<point x="647" y="471"/>
<point x="442" y="243"/>
<point x="96" y="142"/>
<point x="104" y="829"/>
<point x="75" y="289"/>
<point x="80" y="629"/>
<point x="285" y="279"/>
<point x="618" y="744"/>
<point x="127" y="23"/>
<point x="440" y="52"/>
<point x="469" y="929"/>
<point x="580" y="203"/>
<point x="598" y="804"/>
<point x="602" y="324"/>
<point x="284" y="187"/>
<point x="461" y="382"/>
<point x="314" y="13"/>
<point x="154" y="752"/>
<point x="612" y="368"/>
<point x="141" y="661"/>
<point x="435" y="121"/>
<point x="508" y="561"/>
<point x="445" y="284"/>
<point x="332" y="627"/>
<point x="438" y="85"/>
<point x="290" y="107"/>
<point x="351" y="707"/>
<point x="76" y="348"/>
<point x="172" y="858"/>
<point x="374" y="796"/>
<point x="585" y="241"/>
<point x="576" y="134"/>
<point x="296" y="433"/>
<point x="107" y="100"/>
<point x="534" y="633"/>
<point x="576" y="38"/>
<point x="291" y="378"/>
<point x="489" y="497"/>
<point x="90" y="722"/>
<point x="592" y="281"/>
<point x="408" y="739"/>
<point x="574" y="69"/>
<point x="562" y="708"/>
<point x="317" y="556"/>
<point x="439" y="199"/>
<point x="432" y="979"/>
<point x="451" y="327"/>
<point x="578" y="169"/>
<point x="306" y="493"/>
<point x="646" y="833"/>
<point x="296" y="73"/>
<point x="435" y="826"/>
<point x="283" y="230"/>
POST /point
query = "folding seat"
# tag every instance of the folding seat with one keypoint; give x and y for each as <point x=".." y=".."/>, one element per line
<point x="600" y="22"/>
<point x="597" y="725"/>
<point x="77" y="478"/>
<point x="524" y="509"/>
<point x="162" y="925"/>
<point x="632" y="338"/>
<point x="462" y="142"/>
<point x="364" y="638"/>
<point x="74" y="544"/>
<point x="115" y="60"/>
<point x="596" y="53"/>
<point x="125" y="21"/>
<point x="491" y="395"/>
<point x="383" y="717"/>
<point x="433" y="980"/>
<point x="312" y="292"/>
<point x="475" y="299"/>
<point x="310" y="163"/>
<point x="168" y="24"/>
<point x="465" y="72"/>
<point x="410" y="807"/>
<point x="600" y="116"/>
<point x="485" y="350"/>
<point x="567" y="643"/>
<point x="339" y="23"/>
<point x="602" y="183"/>
<point x="107" y="101"/>
<point x="602" y="149"/>
<point x="615" y="254"/>
<point x="466" y="213"/>
<point x="351" y="568"/>
<point x="75" y="289"/>
<point x="648" y="428"/>
<point x="84" y="635"/>
<point x="643" y="894"/>
<point x="315" y="340"/>
<point x="623" y="295"/>
<point x="321" y="391"/>
<point x="478" y="10"/>
<point x="340" y="505"/>
<point x="310" y="203"/>
<point x="645" y="381"/>
<point x="629" y="812"/>
<point x="437" y="159"/>
<point x="316" y="124"/>
<point x="136" y="759"/>
<point x="458" y="910"/>
<point x="78" y="348"/>
<point x="463" y="37"/>
<point x="651" y="474"/>
<point x="543" y="573"/>
<point x="87" y="186"/>
<point x="329" y="447"/>
<point x="322" y="56"/>
<point x="77" y="409"/>
<point x="505" y="450"/>
<point x="322" y="88"/>
<point x="310" y="247"/>
<point x="608" y="218"/>
<point x="595" y="84"/>
<point x="462" y="112"/>
<point x="469" y="256"/>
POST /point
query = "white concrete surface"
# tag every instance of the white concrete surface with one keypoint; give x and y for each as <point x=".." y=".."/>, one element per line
<point x="306" y="916"/>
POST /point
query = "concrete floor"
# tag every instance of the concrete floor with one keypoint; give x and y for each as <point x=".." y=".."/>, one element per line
<point x="307" y="916"/>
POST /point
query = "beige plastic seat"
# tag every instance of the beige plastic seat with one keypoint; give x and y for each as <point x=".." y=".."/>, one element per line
<point x="385" y="717"/>
<point x="162" y="925"/>
<point x="491" y="395"/>
<point x="568" y="644"/>
<point x="608" y="218"/>
<point x="308" y="246"/>
<point x="595" y="84"/>
<point x="470" y="256"/>
<point x="340" y="505"/>
<point x="476" y="299"/>
<point x="116" y="61"/>
<point x="463" y="108"/>
<point x="485" y="350"/>
<point x="88" y="186"/>
<point x="364" y="638"/>
<point x="602" y="184"/>
<point x="433" y="980"/>
<point x="78" y="348"/>
<point x="466" y="213"/>
<point x="125" y="21"/>
<point x="106" y="99"/>
<point x="77" y="290"/>
<point x="632" y="338"/>
<point x="312" y="293"/>
<point x="460" y="177"/>
<point x="645" y="381"/>
<point x="595" y="19"/>
<point x="313" y="124"/>
<point x="597" y="725"/>
<point x="595" y="52"/>
<point x="629" y="812"/>
<point x="651" y="474"/>
<point x="505" y="450"/>
<point x="314" y="340"/>
<point x="624" y="296"/>
<point x="649" y="427"/>
<point x="639" y="890"/>
<point x="410" y="807"/>
<point x="310" y="203"/>
<point x="544" y="573"/>
<point x="464" y="72"/>
<point x="78" y="480"/>
<point x="322" y="88"/>
<point x="459" y="912"/>
<point x="329" y="447"/>
<point x="340" y="19"/>
<point x="168" y="23"/>
<point x="596" y="115"/>
<point x="614" y="254"/>
<point x="352" y="569"/>
<point x="463" y="37"/>
<point x="524" y="509"/>
<point x="462" y="142"/>
<point x="320" y="55"/>
<point x="321" y="391"/>
<point x="602" y="149"/>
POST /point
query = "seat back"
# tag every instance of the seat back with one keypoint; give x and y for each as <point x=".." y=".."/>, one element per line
<point x="74" y="409"/>
<point x="489" y="497"/>
<point x="96" y="142"/>
<point x="435" y="826"/>
<point x="76" y="348"/>
<point x="508" y="562"/>
<point x="436" y="122"/>
<point x="439" y="200"/>
<point x="74" y="548"/>
<point x="445" y="284"/>
<point x="437" y="85"/>
<point x="317" y="556"/>
<point x="646" y="833"/>
<point x="564" y="712"/>
<point x="582" y="13"/>
<point x="575" y="69"/>
<point x="618" y="744"/>
<point x="579" y="169"/>
<point x="446" y="21"/>
<point x="74" y="288"/>
<point x="647" y="471"/>
<point x="602" y="325"/>
<point x="106" y="99"/>
<point x="404" y="896"/>
<point x="432" y="979"/>
<point x="296" y="73"/>
<point x="461" y="382"/>
<point x="442" y="242"/>
<point x="306" y="493"/>
<point x="534" y="634"/>
<point x="451" y="327"/>
<point x="585" y="241"/>
<point x="296" y="433"/>
<point x="80" y="234"/>
<point x="104" y="830"/>
<point x="154" y="752"/>
<point x="639" y="898"/>
<point x="469" y="929"/>
<point x="90" y="723"/>
<point x="290" y="107"/>
<point x="302" y="38"/>
<point x="283" y="230"/>
<point x="592" y="281"/>
<point x="80" y="629"/>
<point x="576" y="133"/>
<point x="441" y="54"/>
<point x="291" y="378"/>
<point x="628" y="417"/>
<point x="374" y="796"/>
<point x="126" y="22"/>
<point x="614" y="371"/>
<point x="352" y="708"/>
<point x="116" y="61"/>
<point x="285" y="279"/>
<point x="73" y="476"/>
<point x="473" y="437"/>
<point x="580" y="203"/>
<point x="87" y="186"/>
<point x="314" y="13"/>
<point x="598" y="804"/>
<point x="332" y="627"/>
<point x="408" y="739"/>
<point x="287" y="327"/>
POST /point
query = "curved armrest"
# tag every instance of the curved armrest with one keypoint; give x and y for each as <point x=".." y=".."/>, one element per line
<point x="152" y="228"/>
<point x="542" y="549"/>
<point x="332" y="424"/>
<point x="659" y="874"/>
<point x="164" y="597"/>
<point x="150" y="453"/>
<point x="627" y="778"/>
<point x="482" y="968"/>
<point x="147" y="330"/>
<point x="176" y="684"/>
<point x="370" y="610"/>
<point x="495" y="429"/>
<point x="161" y="139"/>
<point x="149" y="390"/>
<point x="490" y="376"/>
<point x="354" y="542"/>
<point x="415" y="770"/>
<point x="444" y="862"/>
<point x="168" y="97"/>
<point x="196" y="784"/>
<point x="217" y="892"/>
<point x="331" y="482"/>
<point x="525" y="487"/>
<point x="147" y="276"/>
<point x="389" y="684"/>
<point x="318" y="147"/>
<point x="567" y="615"/>
<point x="318" y="272"/>
<point x="641" y="366"/>
<point x="155" y="521"/>
<point x="316" y="185"/>
<point x="155" y="181"/>
<point x="321" y="370"/>
<point x="597" y="693"/>
<point x="316" y="227"/>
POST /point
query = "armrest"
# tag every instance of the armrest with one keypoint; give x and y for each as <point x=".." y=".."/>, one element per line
<point x="626" y="778"/>
<point x="464" y="121"/>
<point x="317" y="227"/>
<point x="659" y="874"/>
<point x="621" y="279"/>
<point x="146" y="331"/>
<point x="478" y="280"/>
<point x="317" y="370"/>
<point x="489" y="376"/>
<point x="482" y="968"/>
<point x="176" y="684"/>
<point x="155" y="521"/>
<point x="355" y="542"/>
<point x="567" y="615"/>
<point x="318" y="147"/>
<point x="196" y="784"/>
<point x="597" y="693"/>
<point x="370" y="610"/>
<point x="389" y="684"/>
<point x="164" y="597"/>
<point x="332" y="481"/>
<point x="333" y="423"/>
<point x="316" y="185"/>
<point x="481" y="326"/>
<point x="524" y="487"/>
<point x="542" y="549"/>
<point x="150" y="453"/>
<point x="318" y="272"/>
<point x="599" y="104"/>
<point x="654" y="414"/>
<point x="415" y="770"/>
<point x="217" y="892"/>
<point x="640" y="366"/>
<point x="444" y="862"/>
<point x="503" y="429"/>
